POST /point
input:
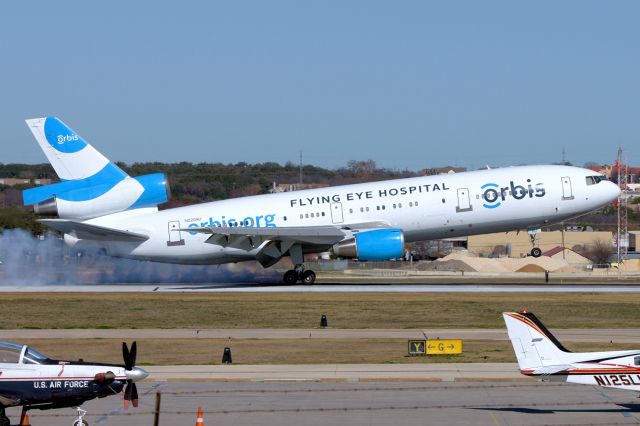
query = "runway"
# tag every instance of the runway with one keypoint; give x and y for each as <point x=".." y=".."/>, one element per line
<point x="360" y="404"/>
<point x="376" y="287"/>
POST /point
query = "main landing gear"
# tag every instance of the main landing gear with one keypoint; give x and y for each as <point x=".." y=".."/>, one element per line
<point x="533" y="236"/>
<point x="298" y="273"/>
<point x="292" y="276"/>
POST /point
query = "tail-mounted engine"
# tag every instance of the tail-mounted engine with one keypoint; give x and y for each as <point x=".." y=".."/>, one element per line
<point x="77" y="200"/>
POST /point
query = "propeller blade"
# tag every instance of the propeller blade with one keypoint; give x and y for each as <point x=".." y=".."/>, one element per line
<point x="134" y="394"/>
<point x="127" y="397"/>
<point x="126" y="356"/>
<point x="133" y="354"/>
<point x="128" y="391"/>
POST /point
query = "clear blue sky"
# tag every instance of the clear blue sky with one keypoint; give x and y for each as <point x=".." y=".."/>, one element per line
<point x="409" y="84"/>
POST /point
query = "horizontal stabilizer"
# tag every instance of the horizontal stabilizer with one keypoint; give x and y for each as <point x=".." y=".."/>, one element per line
<point x="551" y="369"/>
<point x="86" y="231"/>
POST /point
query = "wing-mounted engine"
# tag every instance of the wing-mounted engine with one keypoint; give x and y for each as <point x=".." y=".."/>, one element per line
<point x="376" y="244"/>
<point x="85" y="199"/>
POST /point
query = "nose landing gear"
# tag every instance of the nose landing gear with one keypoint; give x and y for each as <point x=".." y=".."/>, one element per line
<point x="533" y="236"/>
<point x="81" y="421"/>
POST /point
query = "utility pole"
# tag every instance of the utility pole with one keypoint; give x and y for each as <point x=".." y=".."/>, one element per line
<point x="622" y="238"/>
<point x="300" y="169"/>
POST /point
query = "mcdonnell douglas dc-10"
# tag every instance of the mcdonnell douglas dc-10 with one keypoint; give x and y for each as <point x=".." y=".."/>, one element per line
<point x="540" y="354"/>
<point x="96" y="201"/>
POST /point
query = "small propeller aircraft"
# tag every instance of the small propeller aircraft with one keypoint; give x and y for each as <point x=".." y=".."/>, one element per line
<point x="540" y="354"/>
<point x="34" y="381"/>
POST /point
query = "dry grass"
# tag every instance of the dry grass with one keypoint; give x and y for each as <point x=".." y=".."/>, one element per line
<point x="303" y="310"/>
<point x="279" y="351"/>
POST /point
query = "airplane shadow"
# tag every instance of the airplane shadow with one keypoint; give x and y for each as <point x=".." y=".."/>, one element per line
<point x="624" y="408"/>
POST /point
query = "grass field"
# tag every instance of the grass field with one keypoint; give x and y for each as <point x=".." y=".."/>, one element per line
<point x="303" y="310"/>
<point x="280" y="351"/>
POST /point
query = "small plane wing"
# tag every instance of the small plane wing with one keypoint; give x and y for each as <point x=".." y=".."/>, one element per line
<point x="86" y="231"/>
<point x="236" y="237"/>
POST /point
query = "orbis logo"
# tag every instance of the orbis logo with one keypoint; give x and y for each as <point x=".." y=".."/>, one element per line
<point x="67" y="138"/>
<point x="494" y="195"/>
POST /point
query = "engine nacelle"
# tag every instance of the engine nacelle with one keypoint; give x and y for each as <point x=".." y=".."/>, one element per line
<point x="68" y="200"/>
<point x="377" y="244"/>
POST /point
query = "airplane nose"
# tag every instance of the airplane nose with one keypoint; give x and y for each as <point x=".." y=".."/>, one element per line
<point x="613" y="190"/>
<point x="136" y="374"/>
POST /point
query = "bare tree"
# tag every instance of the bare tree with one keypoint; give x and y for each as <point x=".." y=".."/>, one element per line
<point x="599" y="252"/>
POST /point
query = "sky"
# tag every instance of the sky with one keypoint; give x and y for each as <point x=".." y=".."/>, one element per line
<point x="409" y="84"/>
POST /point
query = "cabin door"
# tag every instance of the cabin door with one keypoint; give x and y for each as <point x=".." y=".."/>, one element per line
<point x="175" y="235"/>
<point x="567" y="191"/>
<point x="336" y="213"/>
<point x="464" y="202"/>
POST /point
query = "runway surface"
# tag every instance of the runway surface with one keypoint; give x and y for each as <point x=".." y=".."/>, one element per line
<point x="360" y="404"/>
<point x="630" y="335"/>
<point x="378" y="287"/>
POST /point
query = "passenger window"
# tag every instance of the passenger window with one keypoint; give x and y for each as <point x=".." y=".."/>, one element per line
<point x="636" y="360"/>
<point x="367" y="208"/>
<point x="415" y="204"/>
<point x="410" y="203"/>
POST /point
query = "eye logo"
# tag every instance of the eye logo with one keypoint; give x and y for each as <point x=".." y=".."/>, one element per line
<point x="67" y="138"/>
<point x="491" y="195"/>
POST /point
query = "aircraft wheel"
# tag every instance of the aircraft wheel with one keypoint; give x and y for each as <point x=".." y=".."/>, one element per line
<point x="80" y="423"/>
<point x="536" y="252"/>
<point x="290" y="277"/>
<point x="308" y="277"/>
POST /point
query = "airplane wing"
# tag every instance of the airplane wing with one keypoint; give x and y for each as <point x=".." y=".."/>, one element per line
<point x="237" y="237"/>
<point x="86" y="231"/>
<point x="274" y="243"/>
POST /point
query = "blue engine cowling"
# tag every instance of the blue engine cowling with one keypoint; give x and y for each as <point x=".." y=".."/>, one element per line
<point x="77" y="200"/>
<point x="377" y="244"/>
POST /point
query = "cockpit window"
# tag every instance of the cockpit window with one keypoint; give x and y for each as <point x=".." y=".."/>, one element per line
<point x="592" y="180"/>
<point x="10" y="352"/>
<point x="31" y="356"/>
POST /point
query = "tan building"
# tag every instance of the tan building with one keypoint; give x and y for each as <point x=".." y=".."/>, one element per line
<point x="518" y="244"/>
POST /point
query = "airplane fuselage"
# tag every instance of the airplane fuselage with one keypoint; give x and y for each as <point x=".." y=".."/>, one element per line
<point x="428" y="207"/>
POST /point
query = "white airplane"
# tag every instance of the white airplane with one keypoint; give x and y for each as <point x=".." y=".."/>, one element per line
<point x="96" y="201"/>
<point x="540" y="354"/>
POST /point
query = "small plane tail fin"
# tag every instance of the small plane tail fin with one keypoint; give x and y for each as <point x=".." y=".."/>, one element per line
<point x="533" y="343"/>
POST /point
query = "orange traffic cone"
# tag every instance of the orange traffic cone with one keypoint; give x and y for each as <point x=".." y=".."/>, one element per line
<point x="199" y="419"/>
<point x="24" y="421"/>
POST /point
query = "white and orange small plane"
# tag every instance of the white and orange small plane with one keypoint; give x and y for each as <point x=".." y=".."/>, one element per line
<point x="540" y="354"/>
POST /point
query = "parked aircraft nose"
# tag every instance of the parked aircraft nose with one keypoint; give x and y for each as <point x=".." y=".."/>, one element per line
<point x="136" y="374"/>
